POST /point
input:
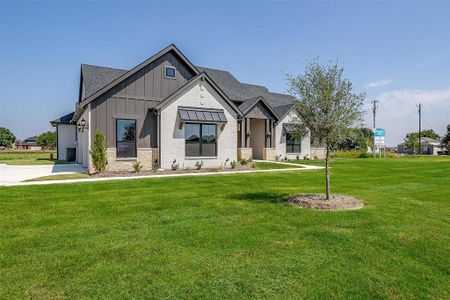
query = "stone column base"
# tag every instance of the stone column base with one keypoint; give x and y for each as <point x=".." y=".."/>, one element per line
<point x="244" y="153"/>
<point x="269" y="153"/>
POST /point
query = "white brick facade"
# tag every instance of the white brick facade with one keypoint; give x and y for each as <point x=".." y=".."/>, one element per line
<point x="172" y="138"/>
<point x="280" y="139"/>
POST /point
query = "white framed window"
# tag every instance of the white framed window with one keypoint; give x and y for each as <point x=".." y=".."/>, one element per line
<point x="170" y="72"/>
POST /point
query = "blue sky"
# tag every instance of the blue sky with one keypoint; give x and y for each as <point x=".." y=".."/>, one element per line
<point x="397" y="52"/>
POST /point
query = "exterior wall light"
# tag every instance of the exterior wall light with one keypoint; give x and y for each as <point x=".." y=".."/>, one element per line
<point x="82" y="125"/>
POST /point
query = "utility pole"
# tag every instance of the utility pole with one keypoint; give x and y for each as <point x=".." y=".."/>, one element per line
<point x="374" y="110"/>
<point x="420" y="124"/>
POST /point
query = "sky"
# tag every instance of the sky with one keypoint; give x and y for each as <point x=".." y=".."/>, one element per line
<point x="395" y="52"/>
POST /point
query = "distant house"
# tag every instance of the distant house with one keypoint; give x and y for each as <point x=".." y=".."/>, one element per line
<point x="428" y="146"/>
<point x="28" y="144"/>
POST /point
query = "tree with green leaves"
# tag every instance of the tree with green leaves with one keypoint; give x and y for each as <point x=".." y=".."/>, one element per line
<point x="360" y="138"/>
<point x="412" y="139"/>
<point x="7" y="138"/>
<point x="327" y="106"/>
<point x="98" y="152"/>
<point x="47" y="140"/>
<point x="446" y="138"/>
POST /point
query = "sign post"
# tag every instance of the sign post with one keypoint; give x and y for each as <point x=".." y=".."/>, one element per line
<point x="378" y="139"/>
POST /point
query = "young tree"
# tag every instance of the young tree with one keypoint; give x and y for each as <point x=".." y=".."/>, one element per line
<point x="326" y="105"/>
<point x="47" y="140"/>
<point x="98" y="152"/>
<point x="6" y="137"/>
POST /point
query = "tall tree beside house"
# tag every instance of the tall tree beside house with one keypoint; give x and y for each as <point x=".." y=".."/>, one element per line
<point x="327" y="106"/>
<point x="412" y="139"/>
<point x="98" y="152"/>
<point x="7" y="138"/>
<point x="47" y="140"/>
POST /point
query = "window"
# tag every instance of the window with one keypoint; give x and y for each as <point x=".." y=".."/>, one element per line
<point x="293" y="143"/>
<point x="201" y="139"/>
<point x="126" y="138"/>
<point x="170" y="72"/>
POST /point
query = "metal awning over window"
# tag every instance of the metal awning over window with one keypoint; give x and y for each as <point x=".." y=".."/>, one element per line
<point x="193" y="114"/>
<point x="291" y="127"/>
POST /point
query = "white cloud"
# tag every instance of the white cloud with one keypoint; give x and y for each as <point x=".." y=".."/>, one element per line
<point x="378" y="83"/>
<point x="401" y="102"/>
<point x="397" y="111"/>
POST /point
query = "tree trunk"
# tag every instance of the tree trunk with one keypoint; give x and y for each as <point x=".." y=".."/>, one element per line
<point x="327" y="175"/>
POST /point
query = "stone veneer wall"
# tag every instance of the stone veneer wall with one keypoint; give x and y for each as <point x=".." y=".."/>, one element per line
<point x="145" y="156"/>
<point x="244" y="153"/>
<point x="269" y="153"/>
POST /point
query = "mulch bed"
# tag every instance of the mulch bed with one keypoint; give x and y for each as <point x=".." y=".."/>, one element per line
<point x="162" y="172"/>
<point x="318" y="202"/>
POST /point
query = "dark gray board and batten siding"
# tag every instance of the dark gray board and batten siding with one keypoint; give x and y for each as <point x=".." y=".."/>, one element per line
<point x="132" y="99"/>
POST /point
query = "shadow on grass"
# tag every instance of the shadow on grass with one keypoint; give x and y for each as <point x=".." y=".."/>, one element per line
<point x="263" y="197"/>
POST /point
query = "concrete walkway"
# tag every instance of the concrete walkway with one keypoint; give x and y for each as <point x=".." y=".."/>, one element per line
<point x="12" y="174"/>
<point x="290" y="164"/>
<point x="303" y="168"/>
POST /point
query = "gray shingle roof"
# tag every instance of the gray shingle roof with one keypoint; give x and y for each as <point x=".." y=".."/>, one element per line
<point x="244" y="92"/>
<point x="64" y="119"/>
<point x="96" y="77"/>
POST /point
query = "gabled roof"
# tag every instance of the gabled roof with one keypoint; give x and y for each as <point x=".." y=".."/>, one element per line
<point x="97" y="80"/>
<point x="243" y="92"/>
<point x="248" y="105"/>
<point x="200" y="77"/>
<point x="94" y="77"/>
<point x="131" y="72"/>
<point x="66" y="119"/>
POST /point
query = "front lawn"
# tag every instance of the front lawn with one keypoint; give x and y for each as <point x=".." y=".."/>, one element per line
<point x="60" y="177"/>
<point x="28" y="158"/>
<point x="232" y="236"/>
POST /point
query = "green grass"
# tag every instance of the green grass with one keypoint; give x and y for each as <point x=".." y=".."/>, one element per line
<point x="28" y="158"/>
<point x="231" y="236"/>
<point x="272" y="166"/>
<point x="60" y="177"/>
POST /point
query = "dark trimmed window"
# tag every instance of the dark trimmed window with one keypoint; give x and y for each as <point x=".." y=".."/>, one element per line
<point x="201" y="139"/>
<point x="170" y="72"/>
<point x="126" y="138"/>
<point x="293" y="143"/>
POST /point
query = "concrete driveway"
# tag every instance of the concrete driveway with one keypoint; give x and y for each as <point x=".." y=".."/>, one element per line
<point x="14" y="174"/>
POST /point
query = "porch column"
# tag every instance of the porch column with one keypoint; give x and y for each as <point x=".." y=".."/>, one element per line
<point x="242" y="131"/>
<point x="247" y="133"/>
<point x="272" y="136"/>
<point x="267" y="137"/>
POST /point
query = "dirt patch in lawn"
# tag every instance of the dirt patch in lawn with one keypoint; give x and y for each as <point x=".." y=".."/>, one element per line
<point x="318" y="201"/>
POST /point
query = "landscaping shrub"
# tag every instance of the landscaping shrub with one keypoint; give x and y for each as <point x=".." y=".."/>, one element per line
<point x="233" y="164"/>
<point x="175" y="166"/>
<point x="137" y="166"/>
<point x="198" y="164"/>
<point x="98" y="152"/>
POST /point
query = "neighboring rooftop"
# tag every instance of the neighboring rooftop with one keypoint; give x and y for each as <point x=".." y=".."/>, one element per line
<point x="63" y="120"/>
